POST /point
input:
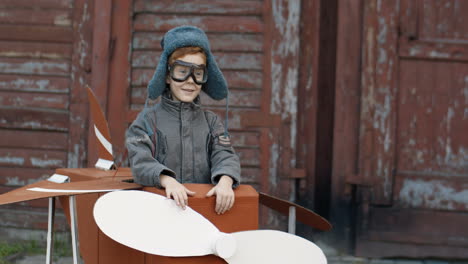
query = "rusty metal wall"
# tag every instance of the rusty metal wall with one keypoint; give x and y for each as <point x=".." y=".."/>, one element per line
<point x="44" y="60"/>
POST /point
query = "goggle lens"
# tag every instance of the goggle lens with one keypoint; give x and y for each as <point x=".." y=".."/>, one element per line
<point x="181" y="71"/>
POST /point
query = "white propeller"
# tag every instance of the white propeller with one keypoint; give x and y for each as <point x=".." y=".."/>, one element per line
<point x="156" y="225"/>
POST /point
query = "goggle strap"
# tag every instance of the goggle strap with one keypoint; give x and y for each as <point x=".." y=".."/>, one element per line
<point x="226" y="133"/>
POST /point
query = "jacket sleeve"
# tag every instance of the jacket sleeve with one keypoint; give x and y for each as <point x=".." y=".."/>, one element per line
<point x="224" y="160"/>
<point x="146" y="169"/>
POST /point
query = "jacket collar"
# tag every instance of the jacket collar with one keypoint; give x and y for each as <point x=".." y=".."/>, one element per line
<point x="175" y="107"/>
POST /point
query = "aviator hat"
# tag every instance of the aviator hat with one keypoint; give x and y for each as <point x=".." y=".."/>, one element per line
<point x="187" y="36"/>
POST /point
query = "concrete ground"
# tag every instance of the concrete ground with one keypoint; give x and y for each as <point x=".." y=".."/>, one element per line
<point x="332" y="256"/>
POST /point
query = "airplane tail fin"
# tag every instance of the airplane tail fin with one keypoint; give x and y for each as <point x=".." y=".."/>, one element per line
<point x="101" y="130"/>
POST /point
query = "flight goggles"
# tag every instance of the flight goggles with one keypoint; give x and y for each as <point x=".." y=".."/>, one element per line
<point x="180" y="71"/>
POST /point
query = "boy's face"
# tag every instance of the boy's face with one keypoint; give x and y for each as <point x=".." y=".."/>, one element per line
<point x="186" y="91"/>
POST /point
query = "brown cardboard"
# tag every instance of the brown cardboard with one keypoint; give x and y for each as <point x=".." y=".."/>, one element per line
<point x="96" y="247"/>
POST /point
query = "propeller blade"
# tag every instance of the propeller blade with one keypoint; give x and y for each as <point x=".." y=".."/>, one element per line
<point x="274" y="247"/>
<point x="156" y="225"/>
<point x="101" y="128"/>
<point x="303" y="214"/>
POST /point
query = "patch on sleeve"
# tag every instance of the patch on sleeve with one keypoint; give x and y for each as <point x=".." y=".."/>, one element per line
<point x="224" y="141"/>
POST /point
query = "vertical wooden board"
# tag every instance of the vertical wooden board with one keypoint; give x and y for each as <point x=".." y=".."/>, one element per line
<point x="284" y="88"/>
<point x="80" y="77"/>
<point x="379" y="86"/>
<point x="415" y="109"/>
<point x="101" y="55"/>
<point x="120" y="78"/>
<point x="449" y="117"/>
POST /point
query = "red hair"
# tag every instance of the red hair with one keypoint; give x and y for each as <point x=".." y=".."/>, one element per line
<point x="180" y="52"/>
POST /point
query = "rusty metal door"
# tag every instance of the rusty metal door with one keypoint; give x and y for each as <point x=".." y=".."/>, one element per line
<point x="413" y="129"/>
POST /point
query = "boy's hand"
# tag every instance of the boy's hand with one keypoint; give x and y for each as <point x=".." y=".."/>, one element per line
<point x="175" y="190"/>
<point x="224" y="194"/>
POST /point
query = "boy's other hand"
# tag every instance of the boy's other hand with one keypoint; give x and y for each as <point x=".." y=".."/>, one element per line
<point x="176" y="190"/>
<point x="224" y="194"/>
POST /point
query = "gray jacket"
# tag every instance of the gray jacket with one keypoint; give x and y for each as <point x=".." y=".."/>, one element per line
<point x="180" y="140"/>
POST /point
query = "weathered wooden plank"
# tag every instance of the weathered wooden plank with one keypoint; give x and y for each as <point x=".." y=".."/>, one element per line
<point x="443" y="20"/>
<point x="33" y="119"/>
<point x="152" y="22"/>
<point x="31" y="217"/>
<point x="235" y="79"/>
<point x="56" y="17"/>
<point x="39" y="100"/>
<point x="237" y="98"/>
<point x="15" y="177"/>
<point x="35" y="66"/>
<point x="417" y="226"/>
<point x="31" y="158"/>
<point x="250" y="175"/>
<point x="426" y="191"/>
<point x="36" y="33"/>
<point x="245" y="139"/>
<point x="120" y="70"/>
<point x="33" y="139"/>
<point x="42" y="4"/>
<point x="37" y="50"/>
<point x="433" y="50"/>
<point x="83" y="13"/>
<point x="227" y="61"/>
<point x="34" y="83"/>
<point x="248" y="156"/>
<point x="432" y="131"/>
<point x="218" y="41"/>
<point x="205" y="7"/>
<point x="379" y="90"/>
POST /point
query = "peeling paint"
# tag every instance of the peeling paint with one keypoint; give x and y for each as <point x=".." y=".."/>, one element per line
<point x="62" y="20"/>
<point x="437" y="54"/>
<point x="45" y="163"/>
<point x="274" y="157"/>
<point x="14" y="181"/>
<point x="275" y="105"/>
<point x="73" y="157"/>
<point x="59" y="68"/>
<point x="12" y="160"/>
<point x="432" y="194"/>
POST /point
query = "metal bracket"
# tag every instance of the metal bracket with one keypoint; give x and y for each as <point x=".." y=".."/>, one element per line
<point x="292" y="220"/>
<point x="50" y="230"/>
<point x="74" y="229"/>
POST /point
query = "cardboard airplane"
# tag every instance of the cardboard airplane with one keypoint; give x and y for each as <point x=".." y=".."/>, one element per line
<point x="80" y="189"/>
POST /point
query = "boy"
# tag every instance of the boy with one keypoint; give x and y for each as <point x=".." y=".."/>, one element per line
<point x="176" y="141"/>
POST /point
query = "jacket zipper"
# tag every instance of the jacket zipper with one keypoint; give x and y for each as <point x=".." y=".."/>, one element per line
<point x="181" y="145"/>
